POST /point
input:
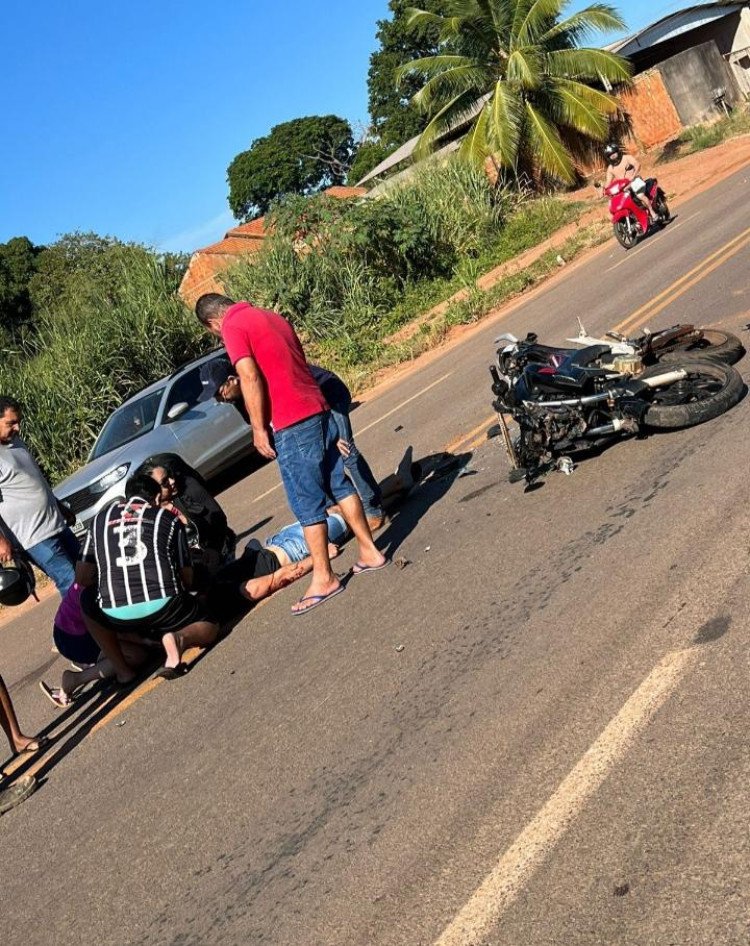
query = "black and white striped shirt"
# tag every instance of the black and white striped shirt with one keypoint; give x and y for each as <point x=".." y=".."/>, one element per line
<point x="138" y="550"/>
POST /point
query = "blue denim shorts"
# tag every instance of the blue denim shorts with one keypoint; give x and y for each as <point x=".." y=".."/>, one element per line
<point x="312" y="469"/>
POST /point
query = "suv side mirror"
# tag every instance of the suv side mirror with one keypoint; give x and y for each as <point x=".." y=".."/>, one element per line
<point x="177" y="410"/>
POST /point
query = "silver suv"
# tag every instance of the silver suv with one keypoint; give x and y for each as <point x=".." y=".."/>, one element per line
<point x="166" y="417"/>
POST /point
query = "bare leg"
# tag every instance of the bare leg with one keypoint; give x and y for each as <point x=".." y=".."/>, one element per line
<point x="354" y="514"/>
<point x="109" y="644"/>
<point x="72" y="680"/>
<point x="199" y="634"/>
<point x="9" y="722"/>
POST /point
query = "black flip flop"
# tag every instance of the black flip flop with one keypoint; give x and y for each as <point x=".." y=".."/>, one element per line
<point x="172" y="673"/>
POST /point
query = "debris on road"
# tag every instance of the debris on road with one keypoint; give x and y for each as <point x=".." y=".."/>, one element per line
<point x="396" y="429"/>
<point x="401" y="562"/>
<point x="399" y="648"/>
<point x="620" y="890"/>
<point x="427" y="548"/>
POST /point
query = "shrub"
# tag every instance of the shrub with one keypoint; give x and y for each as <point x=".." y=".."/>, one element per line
<point x="90" y="354"/>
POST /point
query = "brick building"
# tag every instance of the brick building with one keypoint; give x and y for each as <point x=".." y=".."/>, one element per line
<point x="207" y="264"/>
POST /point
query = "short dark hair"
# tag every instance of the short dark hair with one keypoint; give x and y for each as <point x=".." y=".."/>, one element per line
<point x="143" y="486"/>
<point x="8" y="403"/>
<point x="211" y="305"/>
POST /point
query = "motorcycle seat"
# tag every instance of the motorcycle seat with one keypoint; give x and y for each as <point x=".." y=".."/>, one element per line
<point x="584" y="357"/>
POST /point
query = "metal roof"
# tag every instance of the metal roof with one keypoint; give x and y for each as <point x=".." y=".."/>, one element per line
<point x="681" y="21"/>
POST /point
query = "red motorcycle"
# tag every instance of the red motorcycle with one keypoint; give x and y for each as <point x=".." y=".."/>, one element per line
<point x="630" y="218"/>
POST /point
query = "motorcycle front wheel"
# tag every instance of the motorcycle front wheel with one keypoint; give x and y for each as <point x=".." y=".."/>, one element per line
<point x="708" y="390"/>
<point x="626" y="231"/>
<point x="714" y="345"/>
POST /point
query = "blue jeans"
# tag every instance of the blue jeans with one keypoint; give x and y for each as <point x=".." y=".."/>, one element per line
<point x="311" y="467"/>
<point x="57" y="558"/>
<point x="340" y="401"/>
<point x="292" y="539"/>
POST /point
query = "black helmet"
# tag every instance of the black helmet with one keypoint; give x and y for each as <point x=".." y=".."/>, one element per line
<point x="16" y="583"/>
<point x="611" y="150"/>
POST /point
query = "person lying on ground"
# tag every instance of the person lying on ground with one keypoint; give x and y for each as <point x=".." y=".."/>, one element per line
<point x="284" y="558"/>
<point x="220" y="382"/>
<point x="185" y="491"/>
<point x="75" y="643"/>
<point x="136" y="572"/>
<point x="31" y="518"/>
<point x="264" y="569"/>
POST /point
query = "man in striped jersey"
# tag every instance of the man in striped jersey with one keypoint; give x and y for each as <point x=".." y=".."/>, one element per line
<point x="136" y="569"/>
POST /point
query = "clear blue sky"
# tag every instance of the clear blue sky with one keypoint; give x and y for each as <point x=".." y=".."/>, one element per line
<point x="121" y="118"/>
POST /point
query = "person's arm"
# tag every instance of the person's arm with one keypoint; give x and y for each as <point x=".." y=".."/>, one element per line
<point x="181" y="554"/>
<point x="254" y="394"/>
<point x="6" y="549"/>
<point x="633" y="167"/>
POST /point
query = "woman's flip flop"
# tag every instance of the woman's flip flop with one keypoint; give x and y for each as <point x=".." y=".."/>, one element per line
<point x="318" y="599"/>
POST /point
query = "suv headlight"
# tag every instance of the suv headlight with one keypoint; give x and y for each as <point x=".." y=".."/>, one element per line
<point x="109" y="479"/>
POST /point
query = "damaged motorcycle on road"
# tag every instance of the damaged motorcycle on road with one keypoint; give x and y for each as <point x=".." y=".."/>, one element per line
<point x="569" y="401"/>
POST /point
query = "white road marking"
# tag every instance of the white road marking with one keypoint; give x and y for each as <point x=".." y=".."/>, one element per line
<point x="379" y="420"/>
<point x="515" y="868"/>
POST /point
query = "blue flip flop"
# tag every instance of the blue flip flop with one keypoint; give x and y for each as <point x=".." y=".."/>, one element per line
<point x="359" y="569"/>
<point x="318" y="599"/>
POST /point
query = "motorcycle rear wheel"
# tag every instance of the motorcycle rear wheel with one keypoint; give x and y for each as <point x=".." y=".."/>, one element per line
<point x="626" y="236"/>
<point x="661" y="208"/>
<point x="710" y="389"/>
<point x="715" y="345"/>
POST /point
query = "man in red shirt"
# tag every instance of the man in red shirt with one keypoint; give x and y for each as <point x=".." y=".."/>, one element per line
<point x="280" y="393"/>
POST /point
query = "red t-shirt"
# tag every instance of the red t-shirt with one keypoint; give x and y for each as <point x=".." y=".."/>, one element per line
<point x="271" y="341"/>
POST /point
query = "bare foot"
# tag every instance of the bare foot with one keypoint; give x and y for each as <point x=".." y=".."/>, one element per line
<point x="371" y="558"/>
<point x="30" y="743"/>
<point x="173" y="650"/>
<point x="333" y="550"/>
<point x="314" y="593"/>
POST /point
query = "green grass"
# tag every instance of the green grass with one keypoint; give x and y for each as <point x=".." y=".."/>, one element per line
<point x="700" y="137"/>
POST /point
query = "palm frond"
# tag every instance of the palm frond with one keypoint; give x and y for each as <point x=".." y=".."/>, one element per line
<point x="447" y="85"/>
<point x="450" y="115"/>
<point x="419" y="20"/>
<point x="475" y="147"/>
<point x="566" y="108"/>
<point x="505" y="110"/>
<point x="597" y="18"/>
<point x="547" y="147"/>
<point x="589" y="64"/>
<point x="538" y="16"/>
<point x="525" y="67"/>
<point x="607" y="104"/>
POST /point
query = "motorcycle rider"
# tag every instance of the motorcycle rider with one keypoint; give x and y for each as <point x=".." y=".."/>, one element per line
<point x="621" y="165"/>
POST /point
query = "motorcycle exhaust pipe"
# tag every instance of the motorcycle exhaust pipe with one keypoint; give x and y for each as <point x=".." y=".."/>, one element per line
<point x="605" y="429"/>
<point x="669" y="377"/>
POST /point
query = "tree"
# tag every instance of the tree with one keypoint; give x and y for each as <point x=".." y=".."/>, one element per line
<point x="394" y="118"/>
<point x="301" y="156"/>
<point x="79" y="264"/>
<point x="369" y="154"/>
<point x="17" y="266"/>
<point x="516" y="69"/>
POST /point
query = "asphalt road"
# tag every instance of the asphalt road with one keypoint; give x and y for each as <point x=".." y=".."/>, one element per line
<point x="534" y="733"/>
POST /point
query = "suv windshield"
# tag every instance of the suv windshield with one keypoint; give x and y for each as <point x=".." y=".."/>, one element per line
<point x="127" y="423"/>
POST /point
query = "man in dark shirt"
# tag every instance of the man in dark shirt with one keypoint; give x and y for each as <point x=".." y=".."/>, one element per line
<point x="136" y="569"/>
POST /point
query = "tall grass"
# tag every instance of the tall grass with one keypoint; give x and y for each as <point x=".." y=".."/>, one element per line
<point x="348" y="275"/>
<point x="91" y="353"/>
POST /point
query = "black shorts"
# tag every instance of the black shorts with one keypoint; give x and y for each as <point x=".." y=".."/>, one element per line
<point x="180" y="611"/>
<point x="224" y="599"/>
<point x="80" y="648"/>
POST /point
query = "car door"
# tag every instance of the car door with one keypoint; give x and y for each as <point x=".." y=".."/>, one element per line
<point x="210" y="434"/>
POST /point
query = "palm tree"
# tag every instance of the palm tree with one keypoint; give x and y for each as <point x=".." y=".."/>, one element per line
<point x="516" y="67"/>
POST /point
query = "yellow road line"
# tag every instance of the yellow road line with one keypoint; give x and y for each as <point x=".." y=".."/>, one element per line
<point x="458" y="443"/>
<point x="655" y="310"/>
<point x="671" y="289"/>
<point x="515" y="868"/>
